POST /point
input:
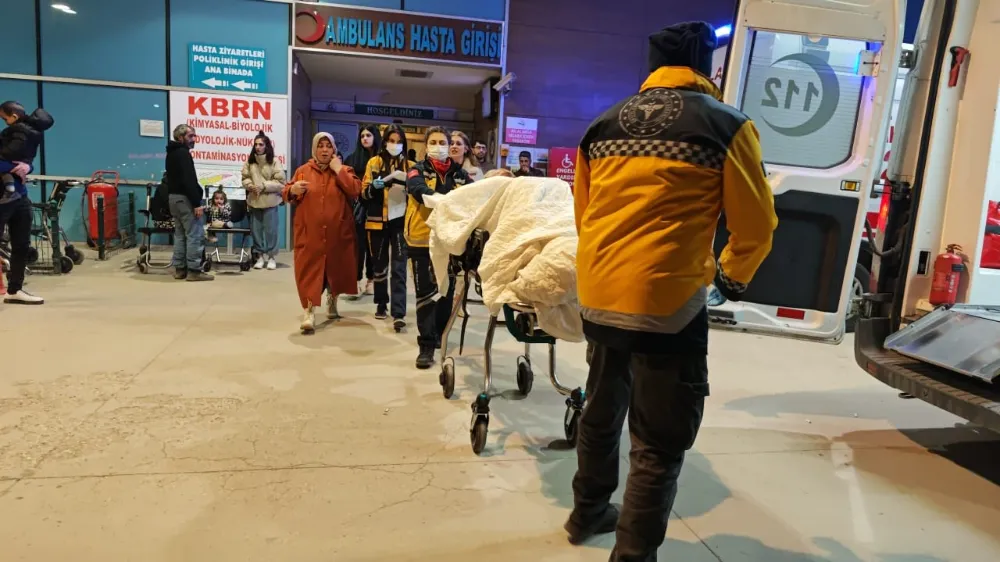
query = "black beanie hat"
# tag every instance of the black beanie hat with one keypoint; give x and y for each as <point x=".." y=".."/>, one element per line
<point x="688" y="44"/>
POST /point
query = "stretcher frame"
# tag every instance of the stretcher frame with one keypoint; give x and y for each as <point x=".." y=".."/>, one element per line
<point x="521" y="321"/>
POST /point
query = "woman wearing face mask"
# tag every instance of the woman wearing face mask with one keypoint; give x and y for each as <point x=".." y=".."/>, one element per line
<point x="461" y="152"/>
<point x="384" y="192"/>
<point x="263" y="179"/>
<point x="323" y="226"/>
<point x="369" y="143"/>
<point x="435" y="174"/>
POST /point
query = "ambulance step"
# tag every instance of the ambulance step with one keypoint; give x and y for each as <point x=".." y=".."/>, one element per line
<point x="964" y="339"/>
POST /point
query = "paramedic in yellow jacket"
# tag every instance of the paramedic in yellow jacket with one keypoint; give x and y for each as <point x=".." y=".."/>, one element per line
<point x="654" y="172"/>
<point x="384" y="195"/>
<point x="437" y="173"/>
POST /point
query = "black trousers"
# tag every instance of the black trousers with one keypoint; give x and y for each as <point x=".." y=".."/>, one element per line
<point x="365" y="264"/>
<point x="432" y="316"/>
<point x="16" y="216"/>
<point x="664" y="398"/>
<point x="387" y="247"/>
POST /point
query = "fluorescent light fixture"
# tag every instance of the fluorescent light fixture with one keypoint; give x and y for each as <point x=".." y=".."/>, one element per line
<point x="723" y="31"/>
<point x="64" y="8"/>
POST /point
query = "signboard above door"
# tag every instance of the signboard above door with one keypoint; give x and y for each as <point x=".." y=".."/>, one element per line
<point x="400" y="34"/>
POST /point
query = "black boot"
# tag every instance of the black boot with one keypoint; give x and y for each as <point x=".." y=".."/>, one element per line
<point x="425" y="360"/>
<point x="606" y="523"/>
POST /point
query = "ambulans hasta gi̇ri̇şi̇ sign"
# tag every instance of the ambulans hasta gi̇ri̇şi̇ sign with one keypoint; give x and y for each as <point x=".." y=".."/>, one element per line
<point x="336" y="28"/>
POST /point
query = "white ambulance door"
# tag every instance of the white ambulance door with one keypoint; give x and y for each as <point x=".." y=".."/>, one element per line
<point x="816" y="76"/>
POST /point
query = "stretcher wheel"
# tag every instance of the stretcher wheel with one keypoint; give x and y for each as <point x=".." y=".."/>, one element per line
<point x="65" y="264"/>
<point x="571" y="424"/>
<point x="142" y="267"/>
<point x="245" y="266"/>
<point x="447" y="380"/>
<point x="74" y="254"/>
<point x="478" y="434"/>
<point x="206" y="266"/>
<point x="32" y="256"/>
<point x="525" y="376"/>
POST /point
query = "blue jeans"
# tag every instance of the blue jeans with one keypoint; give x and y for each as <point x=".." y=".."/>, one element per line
<point x="189" y="234"/>
<point x="264" y="227"/>
<point x="5" y="168"/>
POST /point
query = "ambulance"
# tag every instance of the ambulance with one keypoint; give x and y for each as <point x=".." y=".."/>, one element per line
<point x="827" y="82"/>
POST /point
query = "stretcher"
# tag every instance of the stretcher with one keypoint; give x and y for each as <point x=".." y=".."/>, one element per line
<point x="521" y="321"/>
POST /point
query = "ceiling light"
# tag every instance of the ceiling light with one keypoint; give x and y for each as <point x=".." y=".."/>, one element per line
<point x="64" y="8"/>
<point x="723" y="31"/>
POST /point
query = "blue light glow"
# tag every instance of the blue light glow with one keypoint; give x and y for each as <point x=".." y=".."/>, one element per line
<point x="723" y="31"/>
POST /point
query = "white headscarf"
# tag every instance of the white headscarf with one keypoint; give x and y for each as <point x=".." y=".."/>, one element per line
<point x="317" y="138"/>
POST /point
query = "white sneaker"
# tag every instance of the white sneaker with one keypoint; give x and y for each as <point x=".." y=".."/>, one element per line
<point x="272" y="265"/>
<point x="259" y="264"/>
<point x="23" y="297"/>
<point x="331" y="307"/>
<point x="308" y="325"/>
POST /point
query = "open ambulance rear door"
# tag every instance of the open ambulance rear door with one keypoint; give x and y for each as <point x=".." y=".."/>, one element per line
<point x="817" y="78"/>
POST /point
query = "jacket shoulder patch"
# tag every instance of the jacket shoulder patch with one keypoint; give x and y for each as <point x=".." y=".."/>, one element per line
<point x="651" y="112"/>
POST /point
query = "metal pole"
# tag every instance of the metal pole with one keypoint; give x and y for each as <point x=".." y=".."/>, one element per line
<point x="132" y="219"/>
<point x="54" y="234"/>
<point x="102" y="246"/>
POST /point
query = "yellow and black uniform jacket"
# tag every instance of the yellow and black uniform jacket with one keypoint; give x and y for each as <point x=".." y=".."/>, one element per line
<point x="423" y="179"/>
<point x="376" y="203"/>
<point x="654" y="173"/>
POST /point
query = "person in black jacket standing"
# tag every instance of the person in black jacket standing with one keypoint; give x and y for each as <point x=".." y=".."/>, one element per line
<point x="186" y="206"/>
<point x="369" y="144"/>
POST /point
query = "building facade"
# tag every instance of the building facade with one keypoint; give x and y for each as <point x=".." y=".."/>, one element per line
<point x="117" y="75"/>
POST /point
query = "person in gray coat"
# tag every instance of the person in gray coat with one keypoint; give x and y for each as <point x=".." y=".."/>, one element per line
<point x="263" y="179"/>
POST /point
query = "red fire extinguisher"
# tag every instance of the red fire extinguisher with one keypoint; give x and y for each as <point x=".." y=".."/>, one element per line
<point x="103" y="185"/>
<point x="948" y="268"/>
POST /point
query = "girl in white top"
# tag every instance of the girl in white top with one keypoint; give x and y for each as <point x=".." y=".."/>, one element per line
<point x="461" y="152"/>
<point x="263" y="179"/>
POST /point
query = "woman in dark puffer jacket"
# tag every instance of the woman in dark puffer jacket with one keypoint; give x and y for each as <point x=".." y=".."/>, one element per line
<point x="368" y="145"/>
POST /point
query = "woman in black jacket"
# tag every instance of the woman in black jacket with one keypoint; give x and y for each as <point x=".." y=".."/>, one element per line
<point x="368" y="145"/>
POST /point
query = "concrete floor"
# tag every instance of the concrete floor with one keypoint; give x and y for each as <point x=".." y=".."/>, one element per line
<point x="151" y="420"/>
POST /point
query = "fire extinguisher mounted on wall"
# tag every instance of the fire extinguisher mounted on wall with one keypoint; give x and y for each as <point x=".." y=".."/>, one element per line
<point x="948" y="268"/>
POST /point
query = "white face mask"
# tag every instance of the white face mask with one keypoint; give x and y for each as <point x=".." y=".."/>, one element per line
<point x="393" y="148"/>
<point x="438" y="152"/>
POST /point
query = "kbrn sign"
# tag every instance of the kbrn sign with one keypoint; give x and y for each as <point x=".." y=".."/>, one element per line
<point x="353" y="30"/>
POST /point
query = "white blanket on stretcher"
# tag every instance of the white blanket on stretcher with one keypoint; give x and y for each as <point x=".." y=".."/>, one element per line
<point x="531" y="254"/>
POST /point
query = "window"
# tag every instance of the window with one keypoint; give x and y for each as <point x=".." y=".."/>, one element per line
<point x="20" y="56"/>
<point x="118" y="40"/>
<point x="232" y="23"/>
<point x="24" y="91"/>
<point x="804" y="95"/>
<point x="97" y="128"/>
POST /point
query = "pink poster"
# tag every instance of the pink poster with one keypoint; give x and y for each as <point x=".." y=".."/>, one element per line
<point x="521" y="130"/>
<point x="562" y="164"/>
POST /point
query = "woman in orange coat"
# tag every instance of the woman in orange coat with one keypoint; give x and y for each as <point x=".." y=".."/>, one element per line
<point x="322" y="190"/>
